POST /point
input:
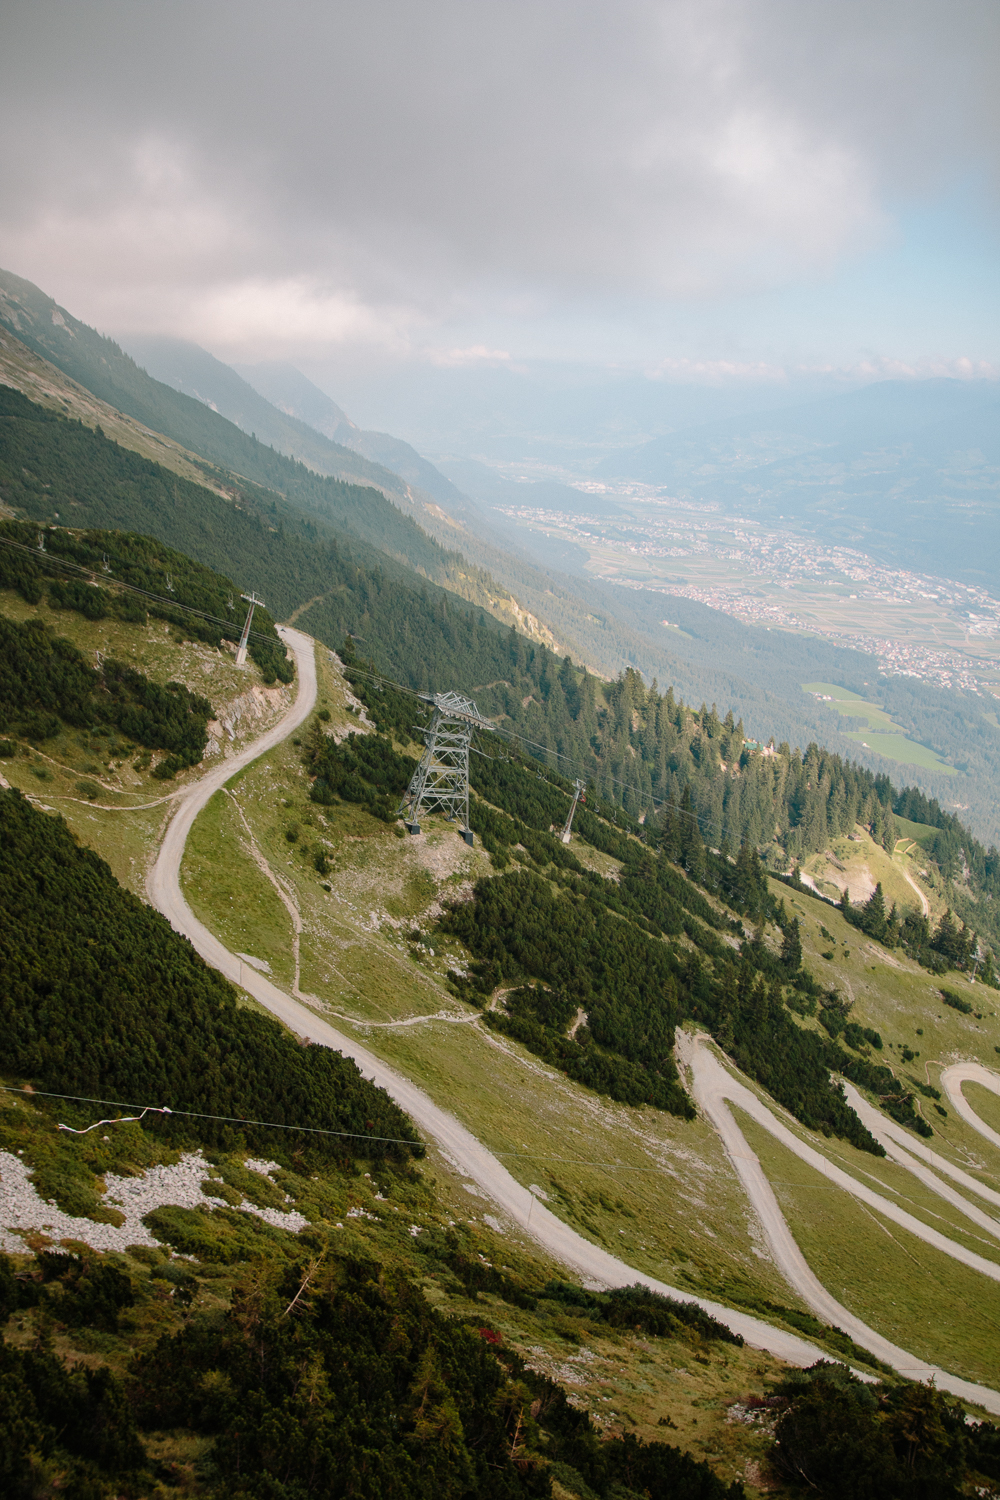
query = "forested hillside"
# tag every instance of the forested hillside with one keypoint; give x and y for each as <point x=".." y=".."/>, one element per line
<point x="292" y="1364"/>
<point x="638" y="746"/>
<point x="674" y="767"/>
<point x="45" y="683"/>
<point x="757" y="672"/>
<point x="104" y="369"/>
<point x="99" y="996"/>
<point x="55" y="469"/>
<point x="121" y="575"/>
<point x="192" y="371"/>
<point x="58" y="460"/>
<point x="593" y="974"/>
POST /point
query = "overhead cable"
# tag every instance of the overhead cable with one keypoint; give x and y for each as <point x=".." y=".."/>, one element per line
<point x="110" y="582"/>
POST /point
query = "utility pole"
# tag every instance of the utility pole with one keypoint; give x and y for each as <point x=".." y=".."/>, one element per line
<point x="241" y="650"/>
<point x="441" y="781"/>
<point x="578" y="792"/>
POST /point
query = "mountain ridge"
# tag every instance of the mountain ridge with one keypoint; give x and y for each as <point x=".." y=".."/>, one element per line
<point x="291" y="391"/>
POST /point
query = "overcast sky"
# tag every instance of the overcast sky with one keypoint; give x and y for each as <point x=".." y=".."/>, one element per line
<point x="717" y="189"/>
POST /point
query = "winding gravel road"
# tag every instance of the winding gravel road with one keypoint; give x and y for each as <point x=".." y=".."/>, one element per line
<point x="951" y="1081"/>
<point x="712" y="1085"/>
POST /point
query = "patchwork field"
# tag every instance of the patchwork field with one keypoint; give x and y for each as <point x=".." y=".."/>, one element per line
<point x="882" y="734"/>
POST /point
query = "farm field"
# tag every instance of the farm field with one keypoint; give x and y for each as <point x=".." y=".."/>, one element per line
<point x="882" y="734"/>
<point x="930" y="627"/>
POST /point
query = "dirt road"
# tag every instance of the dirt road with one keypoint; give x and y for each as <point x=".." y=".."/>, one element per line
<point x="951" y="1081"/>
<point x="713" y="1086"/>
<point x="460" y="1146"/>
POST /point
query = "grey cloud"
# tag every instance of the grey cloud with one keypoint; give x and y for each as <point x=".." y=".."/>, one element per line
<point x="430" y="157"/>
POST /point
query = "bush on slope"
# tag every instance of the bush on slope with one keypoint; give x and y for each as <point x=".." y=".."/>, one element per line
<point x="45" y="681"/>
<point x="99" y="996"/>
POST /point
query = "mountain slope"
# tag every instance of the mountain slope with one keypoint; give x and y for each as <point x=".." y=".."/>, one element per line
<point x="192" y="371"/>
<point x="271" y="545"/>
<point x="53" y="470"/>
<point x="608" y="627"/>
<point x="295" y="394"/>
<point x="51" y="388"/>
<point x="100" y="365"/>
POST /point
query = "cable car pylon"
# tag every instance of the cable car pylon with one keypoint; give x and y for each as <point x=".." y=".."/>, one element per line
<point x="579" y="790"/>
<point x="441" y="781"/>
<point x="241" y="650"/>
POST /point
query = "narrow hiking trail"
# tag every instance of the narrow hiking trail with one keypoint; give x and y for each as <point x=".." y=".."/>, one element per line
<point x="925" y="905"/>
<point x="712" y="1086"/>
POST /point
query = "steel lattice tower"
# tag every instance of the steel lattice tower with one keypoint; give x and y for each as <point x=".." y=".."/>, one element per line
<point x="441" y="781"/>
<point x="241" y="650"/>
<point x="579" y="787"/>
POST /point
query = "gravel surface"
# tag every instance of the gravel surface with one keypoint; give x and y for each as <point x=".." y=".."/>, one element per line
<point x="23" y="1212"/>
<point x="951" y="1081"/>
<point x="712" y="1086"/>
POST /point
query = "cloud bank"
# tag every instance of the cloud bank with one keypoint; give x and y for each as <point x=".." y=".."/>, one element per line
<point x="271" y="177"/>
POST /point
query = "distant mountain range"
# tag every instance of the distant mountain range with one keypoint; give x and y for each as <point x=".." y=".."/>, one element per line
<point x="292" y="392"/>
<point x="284" y="409"/>
<point x="908" y="471"/>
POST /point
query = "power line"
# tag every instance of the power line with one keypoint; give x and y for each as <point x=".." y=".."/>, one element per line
<point x="164" y="1109"/>
<point x="195" y="1115"/>
<point x="110" y="582"/>
<point x="700" y="820"/>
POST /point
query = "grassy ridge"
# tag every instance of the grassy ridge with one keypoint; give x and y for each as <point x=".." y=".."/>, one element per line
<point x="101" y="366"/>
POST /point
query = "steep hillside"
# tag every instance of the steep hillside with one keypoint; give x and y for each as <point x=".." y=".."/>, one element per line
<point x="637" y="745"/>
<point x="293" y="393"/>
<point x="607" y="627"/>
<point x="47" y="462"/>
<point x="328" y="1275"/>
<point x="194" y="372"/>
<point x="49" y="387"/>
<point x="123" y="1343"/>
<point x="604" y="626"/>
<point x="118" y="675"/>
<point x="531" y="1020"/>
<point x="99" y="364"/>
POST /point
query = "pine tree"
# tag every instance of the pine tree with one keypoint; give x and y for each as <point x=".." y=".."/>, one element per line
<point x="791" y="947"/>
<point x="873" y="919"/>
